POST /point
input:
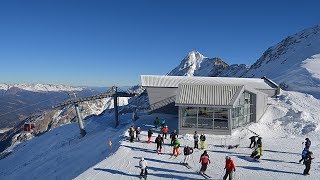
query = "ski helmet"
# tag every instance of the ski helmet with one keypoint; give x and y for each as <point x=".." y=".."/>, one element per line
<point x="228" y="157"/>
<point x="142" y="158"/>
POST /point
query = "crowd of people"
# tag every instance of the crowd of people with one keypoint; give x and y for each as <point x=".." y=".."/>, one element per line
<point x="230" y="168"/>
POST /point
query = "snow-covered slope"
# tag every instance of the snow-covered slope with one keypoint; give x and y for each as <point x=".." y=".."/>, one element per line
<point x="40" y="87"/>
<point x="59" y="154"/>
<point x="195" y="64"/>
<point x="294" y="62"/>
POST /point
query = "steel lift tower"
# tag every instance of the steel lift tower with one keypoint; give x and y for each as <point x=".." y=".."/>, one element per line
<point x="112" y="92"/>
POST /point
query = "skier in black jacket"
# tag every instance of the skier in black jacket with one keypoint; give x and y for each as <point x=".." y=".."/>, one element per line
<point x="253" y="141"/>
<point x="187" y="151"/>
<point x="159" y="141"/>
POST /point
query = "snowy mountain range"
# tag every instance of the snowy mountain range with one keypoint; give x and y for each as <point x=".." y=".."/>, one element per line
<point x="195" y="64"/>
<point x="294" y="63"/>
<point x="39" y="87"/>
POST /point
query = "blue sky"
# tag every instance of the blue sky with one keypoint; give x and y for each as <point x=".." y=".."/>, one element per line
<point x="105" y="43"/>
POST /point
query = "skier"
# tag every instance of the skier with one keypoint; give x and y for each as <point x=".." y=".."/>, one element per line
<point x="131" y="133"/>
<point x="156" y="122"/>
<point x="204" y="160"/>
<point x="187" y="151"/>
<point x="159" y="141"/>
<point x="307" y="144"/>
<point x="230" y="168"/>
<point x="202" y="141"/>
<point x="196" y="140"/>
<point x="165" y="131"/>
<point x="307" y="163"/>
<point x="173" y="136"/>
<point x="143" y="166"/>
<point x="163" y="122"/>
<point x="259" y="144"/>
<point x="176" y="145"/>
<point x="255" y="153"/>
<point x="149" y="135"/>
<point x="253" y="141"/>
<point x="303" y="154"/>
<point x="138" y="131"/>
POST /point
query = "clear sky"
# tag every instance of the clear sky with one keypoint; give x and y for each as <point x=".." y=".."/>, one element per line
<point x="105" y="43"/>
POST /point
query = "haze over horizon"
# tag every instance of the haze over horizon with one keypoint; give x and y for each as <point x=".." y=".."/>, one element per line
<point x="105" y="43"/>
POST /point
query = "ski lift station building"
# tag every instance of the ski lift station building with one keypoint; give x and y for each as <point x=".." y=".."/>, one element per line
<point x="212" y="105"/>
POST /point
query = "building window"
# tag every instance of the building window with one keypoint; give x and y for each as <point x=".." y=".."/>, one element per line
<point x="204" y="118"/>
<point x="243" y="112"/>
<point x="221" y="119"/>
<point x="189" y="117"/>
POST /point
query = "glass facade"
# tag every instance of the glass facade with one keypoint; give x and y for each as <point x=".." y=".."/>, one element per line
<point x="204" y="117"/>
<point x="243" y="112"/>
<point x="217" y="118"/>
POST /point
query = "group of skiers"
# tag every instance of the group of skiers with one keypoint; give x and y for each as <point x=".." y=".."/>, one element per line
<point x="133" y="131"/>
<point x="204" y="158"/>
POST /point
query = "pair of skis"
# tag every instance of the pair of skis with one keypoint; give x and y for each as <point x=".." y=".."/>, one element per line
<point x="206" y="176"/>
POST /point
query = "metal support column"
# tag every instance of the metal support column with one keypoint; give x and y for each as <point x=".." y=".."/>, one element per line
<point x="81" y="126"/>
<point x="115" y="104"/>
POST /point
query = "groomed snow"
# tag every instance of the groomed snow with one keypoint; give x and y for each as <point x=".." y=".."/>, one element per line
<point x="59" y="154"/>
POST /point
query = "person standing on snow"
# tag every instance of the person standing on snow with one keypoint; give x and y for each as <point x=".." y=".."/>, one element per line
<point x="143" y="166"/>
<point x="138" y="131"/>
<point x="173" y="136"/>
<point x="165" y="131"/>
<point x="202" y="141"/>
<point x="149" y="135"/>
<point x="303" y="154"/>
<point x="230" y="168"/>
<point x="187" y="151"/>
<point x="253" y="141"/>
<point x="156" y="122"/>
<point x="196" y="140"/>
<point x="159" y="141"/>
<point x="131" y="133"/>
<point x="307" y="163"/>
<point x="204" y="160"/>
<point x="176" y="145"/>
<point x="259" y="143"/>
<point x="307" y="144"/>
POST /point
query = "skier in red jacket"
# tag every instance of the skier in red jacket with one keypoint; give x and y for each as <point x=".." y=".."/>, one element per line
<point x="230" y="168"/>
<point x="204" y="160"/>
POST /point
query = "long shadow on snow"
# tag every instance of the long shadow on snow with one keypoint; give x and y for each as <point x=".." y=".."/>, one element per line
<point x="267" y="150"/>
<point x="268" y="170"/>
<point x="171" y="176"/>
<point x="157" y="160"/>
<point x="112" y="171"/>
<point x="275" y="160"/>
<point x="167" y="170"/>
<point x="225" y="152"/>
<point x="247" y="158"/>
<point x="139" y="149"/>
